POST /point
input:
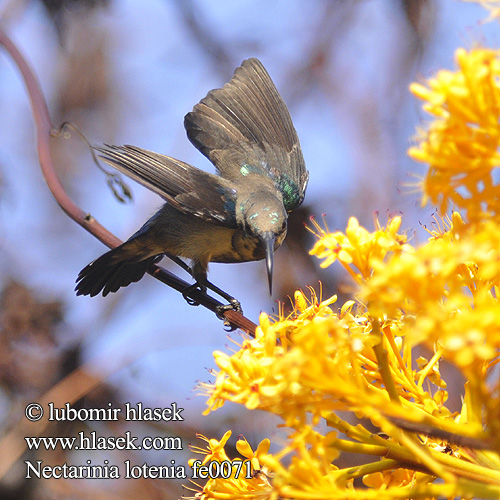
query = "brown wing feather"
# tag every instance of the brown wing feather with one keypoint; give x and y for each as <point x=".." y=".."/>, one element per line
<point x="246" y="122"/>
<point x="185" y="187"/>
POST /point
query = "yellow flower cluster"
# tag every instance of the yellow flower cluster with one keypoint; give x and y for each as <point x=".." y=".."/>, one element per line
<point x="461" y="143"/>
<point x="276" y="370"/>
<point x="248" y="476"/>
<point x="448" y="290"/>
<point x="377" y="357"/>
<point x="314" y="362"/>
<point x="358" y="247"/>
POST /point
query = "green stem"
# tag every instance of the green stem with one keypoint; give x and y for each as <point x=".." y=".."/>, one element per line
<point x="383" y="362"/>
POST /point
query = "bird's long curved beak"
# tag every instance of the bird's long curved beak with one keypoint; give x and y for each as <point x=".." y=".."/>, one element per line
<point x="269" y="245"/>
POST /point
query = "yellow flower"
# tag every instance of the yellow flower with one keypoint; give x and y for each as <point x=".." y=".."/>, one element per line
<point x="461" y="144"/>
<point x="215" y="449"/>
<point x="249" y="476"/>
<point x="358" y="247"/>
<point x="388" y="479"/>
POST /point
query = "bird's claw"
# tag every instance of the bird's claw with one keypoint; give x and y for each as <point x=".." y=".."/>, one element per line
<point x="188" y="290"/>
<point x="234" y="305"/>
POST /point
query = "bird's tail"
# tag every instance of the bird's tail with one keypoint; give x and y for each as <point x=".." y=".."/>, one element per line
<point x="113" y="270"/>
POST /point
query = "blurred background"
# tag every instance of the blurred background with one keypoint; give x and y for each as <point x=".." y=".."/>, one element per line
<point x="126" y="72"/>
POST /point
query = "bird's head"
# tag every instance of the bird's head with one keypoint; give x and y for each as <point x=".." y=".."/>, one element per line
<point x="264" y="218"/>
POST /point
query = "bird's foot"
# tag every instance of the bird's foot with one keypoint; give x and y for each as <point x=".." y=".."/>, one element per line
<point x="234" y="305"/>
<point x="203" y="284"/>
<point x="191" y="288"/>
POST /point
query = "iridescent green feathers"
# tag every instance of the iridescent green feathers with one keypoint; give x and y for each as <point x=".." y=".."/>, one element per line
<point x="246" y="125"/>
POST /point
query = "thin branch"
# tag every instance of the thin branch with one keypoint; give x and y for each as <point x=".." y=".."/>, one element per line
<point x="44" y="130"/>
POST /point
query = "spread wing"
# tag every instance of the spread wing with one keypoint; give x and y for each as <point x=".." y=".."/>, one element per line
<point x="245" y="127"/>
<point x="185" y="187"/>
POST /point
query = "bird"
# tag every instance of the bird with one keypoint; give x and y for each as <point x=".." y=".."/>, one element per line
<point x="238" y="214"/>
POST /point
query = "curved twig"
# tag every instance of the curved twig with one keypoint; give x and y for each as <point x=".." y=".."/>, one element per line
<point x="44" y="130"/>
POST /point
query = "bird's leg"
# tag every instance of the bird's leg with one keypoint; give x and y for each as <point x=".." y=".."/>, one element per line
<point x="202" y="283"/>
<point x="179" y="262"/>
<point x="234" y="304"/>
<point x="199" y="273"/>
<point x="188" y="289"/>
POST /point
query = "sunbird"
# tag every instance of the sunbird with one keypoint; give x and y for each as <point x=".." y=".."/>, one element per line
<point x="239" y="215"/>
